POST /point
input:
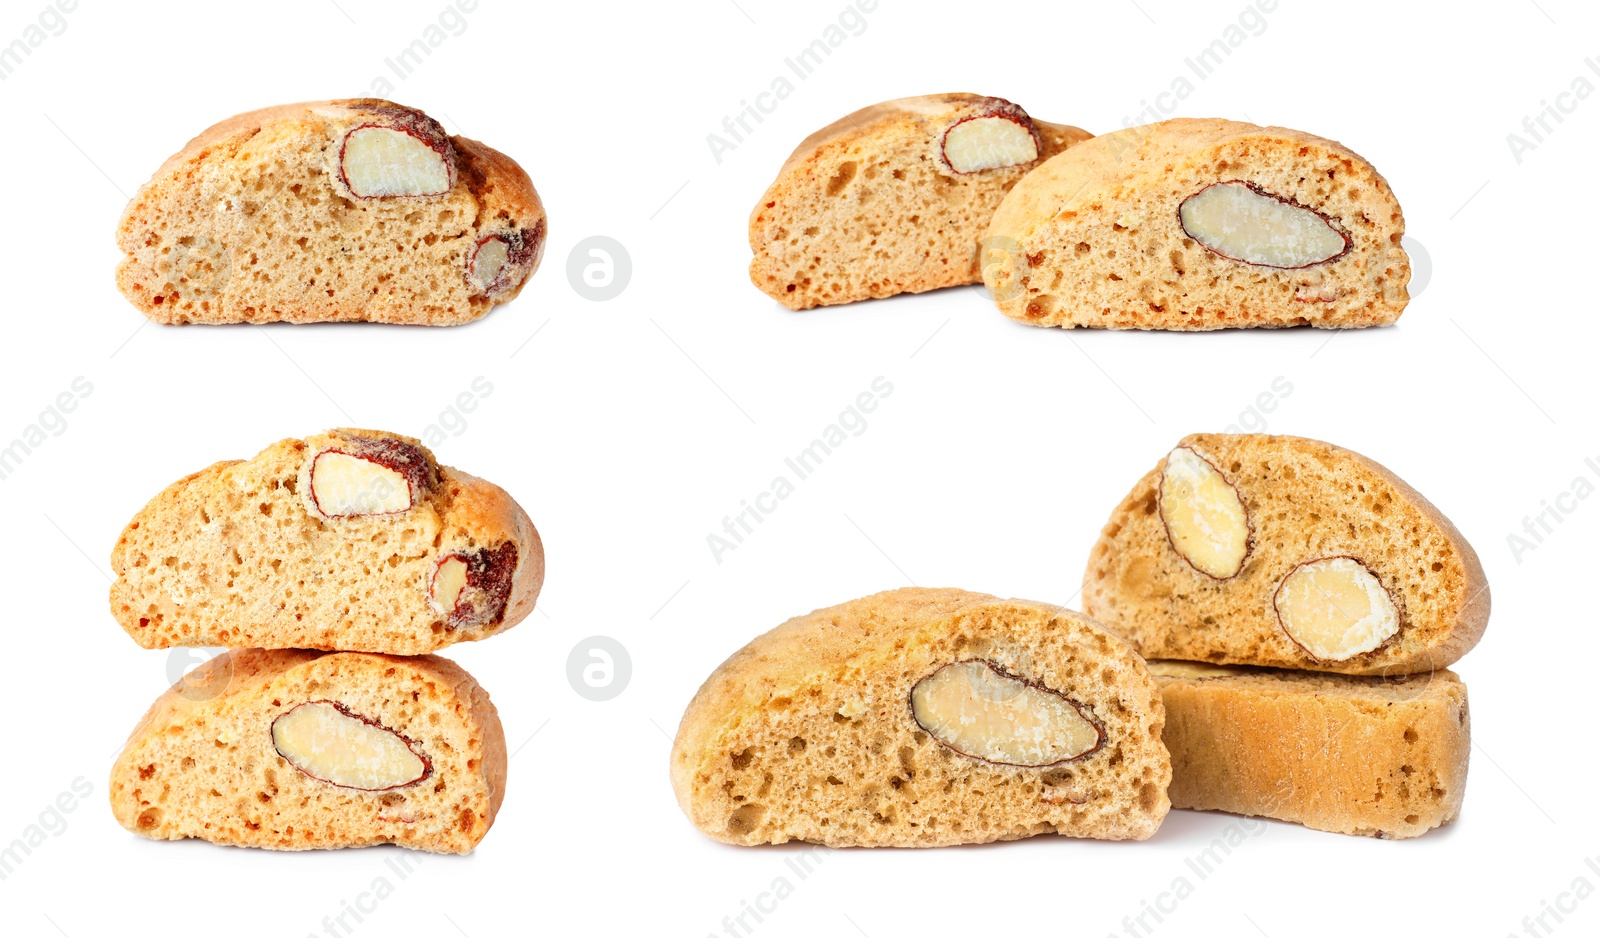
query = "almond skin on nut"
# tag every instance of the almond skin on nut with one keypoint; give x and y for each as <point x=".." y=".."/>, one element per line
<point x="1206" y="522"/>
<point x="449" y="579"/>
<point x="499" y="262"/>
<point x="488" y="260"/>
<point x="981" y="711"/>
<point x="330" y="743"/>
<point x="1335" y="608"/>
<point x="377" y="161"/>
<point x="1244" y="222"/>
<point x="472" y="589"/>
<point x="991" y="141"/>
<point x="368" y="476"/>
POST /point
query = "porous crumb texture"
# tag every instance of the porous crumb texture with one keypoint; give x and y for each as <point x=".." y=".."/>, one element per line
<point x="236" y="555"/>
<point x="1305" y="500"/>
<point x="1380" y="757"/>
<point x="252" y="222"/>
<point x="202" y="762"/>
<point x="807" y="733"/>
<point x="1092" y="238"/>
<point x="866" y="207"/>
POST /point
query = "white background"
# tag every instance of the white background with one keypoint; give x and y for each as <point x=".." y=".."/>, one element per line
<point x="630" y="428"/>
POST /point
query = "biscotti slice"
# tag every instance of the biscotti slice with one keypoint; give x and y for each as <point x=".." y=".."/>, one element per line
<point x="350" y="540"/>
<point x="1200" y="224"/>
<point x="1353" y="755"/>
<point x="299" y="750"/>
<point x="356" y="209"/>
<point x="921" y="718"/>
<point x="1285" y="552"/>
<point x="892" y="199"/>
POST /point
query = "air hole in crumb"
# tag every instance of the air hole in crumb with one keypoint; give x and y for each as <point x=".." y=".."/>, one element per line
<point x="745" y="818"/>
<point x="847" y="172"/>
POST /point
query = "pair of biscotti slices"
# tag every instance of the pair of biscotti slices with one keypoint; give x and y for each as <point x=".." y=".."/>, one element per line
<point x="930" y="717"/>
<point x="332" y="566"/>
<point x="356" y="209"/>
<point x="1183" y="224"/>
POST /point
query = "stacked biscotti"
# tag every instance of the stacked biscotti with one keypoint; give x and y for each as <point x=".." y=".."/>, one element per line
<point x="331" y="567"/>
<point x="1300" y="604"/>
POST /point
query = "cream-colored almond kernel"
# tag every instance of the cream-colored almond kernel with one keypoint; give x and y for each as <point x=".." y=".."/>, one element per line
<point x="332" y="745"/>
<point x="1242" y="223"/>
<point x="344" y="485"/>
<point x="449" y="579"/>
<point x="1335" y="608"/>
<point x="982" y="143"/>
<point x="982" y="712"/>
<point x="382" y="161"/>
<point x="1206" y="520"/>
<point x="488" y="260"/>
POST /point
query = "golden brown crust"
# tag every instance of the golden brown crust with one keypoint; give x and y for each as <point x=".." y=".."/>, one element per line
<point x="806" y="733"/>
<point x="1353" y="755"/>
<point x="1092" y="239"/>
<point x="201" y="763"/>
<point x="1307" y="500"/>
<point x="235" y="555"/>
<point x="180" y="267"/>
<point x="937" y="214"/>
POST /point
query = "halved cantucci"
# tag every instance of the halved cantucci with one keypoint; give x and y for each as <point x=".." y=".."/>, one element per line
<point x="357" y="209"/>
<point x="1285" y="552"/>
<point x="301" y="750"/>
<point x="921" y="718"/>
<point x="351" y="540"/>
<point x="1200" y="224"/>
<point x="892" y="198"/>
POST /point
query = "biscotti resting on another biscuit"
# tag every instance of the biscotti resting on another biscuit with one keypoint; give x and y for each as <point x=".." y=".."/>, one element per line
<point x="298" y="750"/>
<point x="1200" y="224"/>
<point x="892" y="198"/>
<point x="355" y="209"/>
<point x="920" y="718"/>
<point x="1352" y="755"/>
<point x="351" y="540"/>
<point x="1285" y="552"/>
